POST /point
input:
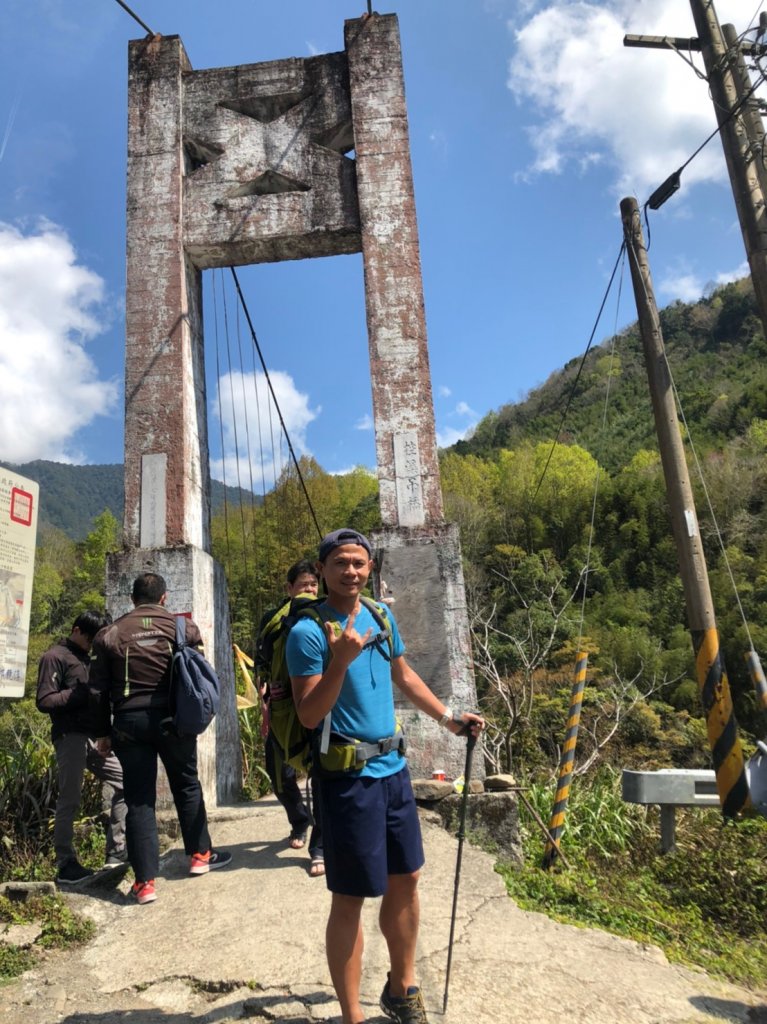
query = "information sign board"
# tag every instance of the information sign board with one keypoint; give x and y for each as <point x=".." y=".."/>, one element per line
<point x="19" y="499"/>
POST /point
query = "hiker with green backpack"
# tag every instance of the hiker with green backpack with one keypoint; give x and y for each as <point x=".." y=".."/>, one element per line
<point x="343" y="660"/>
<point x="302" y="584"/>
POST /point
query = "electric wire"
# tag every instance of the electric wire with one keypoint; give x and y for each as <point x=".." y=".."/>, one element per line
<point x="580" y="369"/>
<point x="274" y="399"/>
<point x="602" y="436"/>
<point x="731" y="114"/>
<point x="678" y="401"/>
<point x="135" y="17"/>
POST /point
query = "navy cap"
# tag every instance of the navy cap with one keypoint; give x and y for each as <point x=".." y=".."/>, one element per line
<point x="339" y="537"/>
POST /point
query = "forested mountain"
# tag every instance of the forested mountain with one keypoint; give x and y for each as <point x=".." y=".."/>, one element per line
<point x="72" y="496"/>
<point x="716" y="350"/>
<point x="541" y="580"/>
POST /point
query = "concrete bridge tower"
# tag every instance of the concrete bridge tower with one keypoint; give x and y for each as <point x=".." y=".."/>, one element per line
<point x="264" y="162"/>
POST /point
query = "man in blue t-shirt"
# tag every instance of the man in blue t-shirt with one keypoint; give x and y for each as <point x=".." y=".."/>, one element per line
<point x="372" y="836"/>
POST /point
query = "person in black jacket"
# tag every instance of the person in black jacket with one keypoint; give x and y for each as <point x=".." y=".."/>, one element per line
<point x="64" y="694"/>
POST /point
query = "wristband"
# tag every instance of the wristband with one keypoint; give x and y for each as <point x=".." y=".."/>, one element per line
<point x="446" y="718"/>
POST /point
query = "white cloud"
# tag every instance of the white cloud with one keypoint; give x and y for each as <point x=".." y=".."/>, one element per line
<point x="464" y="409"/>
<point x="49" y="308"/>
<point x="734" y="275"/>
<point x="450" y="435"/>
<point x="364" y="422"/>
<point x="588" y="96"/>
<point x="352" y="469"/>
<point x="252" y="427"/>
<point x="443" y="391"/>
<point x="689" y="287"/>
<point x="685" y="286"/>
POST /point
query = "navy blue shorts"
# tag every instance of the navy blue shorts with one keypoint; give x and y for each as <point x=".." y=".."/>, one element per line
<point x="370" y="830"/>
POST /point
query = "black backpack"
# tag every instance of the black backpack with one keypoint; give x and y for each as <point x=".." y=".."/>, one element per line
<point x="195" y="690"/>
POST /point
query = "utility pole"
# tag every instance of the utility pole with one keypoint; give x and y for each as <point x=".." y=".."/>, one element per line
<point x="742" y="133"/>
<point x="712" y="678"/>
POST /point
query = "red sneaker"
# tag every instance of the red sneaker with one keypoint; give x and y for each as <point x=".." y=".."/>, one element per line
<point x="202" y="863"/>
<point x="143" y="892"/>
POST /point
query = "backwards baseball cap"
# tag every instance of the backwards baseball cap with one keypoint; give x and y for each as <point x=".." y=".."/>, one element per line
<point x="338" y="538"/>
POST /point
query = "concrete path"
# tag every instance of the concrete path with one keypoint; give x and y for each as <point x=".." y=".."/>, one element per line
<point x="248" y="942"/>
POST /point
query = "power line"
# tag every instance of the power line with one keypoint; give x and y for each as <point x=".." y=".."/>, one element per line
<point x="580" y="369"/>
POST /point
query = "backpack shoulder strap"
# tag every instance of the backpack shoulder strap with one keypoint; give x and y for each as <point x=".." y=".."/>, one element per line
<point x="381" y="615"/>
<point x="180" y="632"/>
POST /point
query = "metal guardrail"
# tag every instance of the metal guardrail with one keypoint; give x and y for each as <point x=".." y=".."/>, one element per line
<point x="670" y="788"/>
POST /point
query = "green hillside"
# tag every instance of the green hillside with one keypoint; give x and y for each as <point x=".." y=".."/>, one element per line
<point x="524" y="506"/>
<point x="716" y="350"/>
<point x="72" y="496"/>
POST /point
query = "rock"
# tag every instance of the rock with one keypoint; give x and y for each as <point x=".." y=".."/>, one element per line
<point x="21" y="890"/>
<point x="492" y="822"/>
<point x="21" y="935"/>
<point x="476" y="786"/>
<point x="500" y="782"/>
<point x="431" y="789"/>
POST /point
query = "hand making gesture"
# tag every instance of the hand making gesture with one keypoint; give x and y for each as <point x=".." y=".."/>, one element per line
<point x="345" y="644"/>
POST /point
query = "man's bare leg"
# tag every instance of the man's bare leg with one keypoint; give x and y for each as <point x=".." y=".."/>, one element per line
<point x="399" y="919"/>
<point x="343" y="945"/>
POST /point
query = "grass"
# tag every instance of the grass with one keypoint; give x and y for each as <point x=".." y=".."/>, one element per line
<point x="704" y="905"/>
<point x="61" y="929"/>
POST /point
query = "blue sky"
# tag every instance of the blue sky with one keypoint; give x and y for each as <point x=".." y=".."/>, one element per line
<point x="529" y="121"/>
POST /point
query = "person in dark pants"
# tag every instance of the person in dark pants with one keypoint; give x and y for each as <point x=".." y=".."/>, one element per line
<point x="63" y="693"/>
<point x="373" y="845"/>
<point x="131" y="672"/>
<point x="301" y="578"/>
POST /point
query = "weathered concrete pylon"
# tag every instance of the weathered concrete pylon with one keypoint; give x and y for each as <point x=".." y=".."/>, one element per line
<point x="251" y="164"/>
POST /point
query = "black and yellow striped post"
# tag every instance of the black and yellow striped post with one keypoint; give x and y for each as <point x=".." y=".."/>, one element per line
<point x="714" y="688"/>
<point x="757" y="677"/>
<point x="566" y="762"/>
<point x="721" y="726"/>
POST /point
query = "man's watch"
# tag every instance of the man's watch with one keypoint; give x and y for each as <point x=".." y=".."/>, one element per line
<point x="446" y="718"/>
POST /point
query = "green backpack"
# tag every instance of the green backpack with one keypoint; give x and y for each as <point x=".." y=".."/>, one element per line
<point x="292" y="741"/>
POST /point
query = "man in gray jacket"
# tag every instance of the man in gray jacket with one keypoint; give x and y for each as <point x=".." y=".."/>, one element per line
<point x="64" y="694"/>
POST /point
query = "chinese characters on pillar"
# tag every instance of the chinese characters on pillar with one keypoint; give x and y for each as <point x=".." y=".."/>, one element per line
<point x="407" y="474"/>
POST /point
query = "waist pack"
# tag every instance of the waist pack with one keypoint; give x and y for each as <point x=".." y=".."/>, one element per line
<point x="344" y="754"/>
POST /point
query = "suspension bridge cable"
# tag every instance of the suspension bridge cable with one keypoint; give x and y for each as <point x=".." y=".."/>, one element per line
<point x="580" y="369"/>
<point x="135" y="17"/>
<point x="221" y="420"/>
<point x="236" y="447"/>
<point x="699" y="468"/>
<point x="245" y="411"/>
<point x="265" y="507"/>
<point x="274" y="399"/>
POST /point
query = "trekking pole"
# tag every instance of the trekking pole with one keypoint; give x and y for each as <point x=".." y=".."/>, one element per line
<point x="472" y="739"/>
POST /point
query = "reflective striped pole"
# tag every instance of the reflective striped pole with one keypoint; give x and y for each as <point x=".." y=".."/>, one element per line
<point x="714" y="688"/>
<point x="757" y="677"/>
<point x="566" y="762"/>
<point x="721" y="726"/>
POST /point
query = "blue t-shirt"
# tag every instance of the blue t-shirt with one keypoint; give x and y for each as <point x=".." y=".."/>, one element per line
<point x="365" y="706"/>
